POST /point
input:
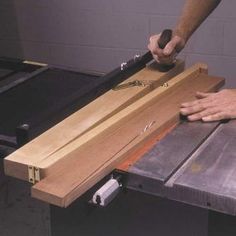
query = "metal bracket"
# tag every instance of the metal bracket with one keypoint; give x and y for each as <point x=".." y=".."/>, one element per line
<point x="165" y="85"/>
<point x="137" y="57"/>
<point x="138" y="83"/>
<point x="33" y="174"/>
<point x="123" y="66"/>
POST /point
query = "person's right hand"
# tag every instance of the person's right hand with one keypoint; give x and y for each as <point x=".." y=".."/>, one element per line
<point x="168" y="54"/>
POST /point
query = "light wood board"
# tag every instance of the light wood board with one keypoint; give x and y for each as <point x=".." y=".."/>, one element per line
<point x="43" y="147"/>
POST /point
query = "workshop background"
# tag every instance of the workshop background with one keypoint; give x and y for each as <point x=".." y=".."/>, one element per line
<point x="99" y="35"/>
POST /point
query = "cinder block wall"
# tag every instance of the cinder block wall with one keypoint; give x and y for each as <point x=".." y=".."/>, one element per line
<point x="100" y="34"/>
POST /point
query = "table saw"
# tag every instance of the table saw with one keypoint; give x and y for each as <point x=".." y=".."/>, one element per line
<point x="191" y="163"/>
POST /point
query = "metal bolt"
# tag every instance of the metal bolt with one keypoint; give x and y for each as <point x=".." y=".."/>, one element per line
<point x="136" y="57"/>
<point x="123" y="65"/>
<point x="165" y="85"/>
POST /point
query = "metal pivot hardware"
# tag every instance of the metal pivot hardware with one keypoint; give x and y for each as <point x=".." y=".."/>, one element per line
<point x="165" y="85"/>
<point x="138" y="83"/>
<point x="34" y="174"/>
<point x="137" y="57"/>
<point x="123" y="65"/>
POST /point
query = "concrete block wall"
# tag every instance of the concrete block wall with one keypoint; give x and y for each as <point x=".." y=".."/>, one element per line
<point x="99" y="35"/>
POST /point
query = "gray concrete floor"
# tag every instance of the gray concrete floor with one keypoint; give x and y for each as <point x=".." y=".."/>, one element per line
<point x="21" y="215"/>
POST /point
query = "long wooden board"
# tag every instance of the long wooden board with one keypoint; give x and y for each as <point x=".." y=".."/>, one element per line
<point x="90" y="157"/>
<point x="43" y="147"/>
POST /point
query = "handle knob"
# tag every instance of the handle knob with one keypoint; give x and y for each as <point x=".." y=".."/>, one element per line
<point x="165" y="38"/>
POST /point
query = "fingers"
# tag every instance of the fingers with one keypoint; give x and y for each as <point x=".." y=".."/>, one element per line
<point x="166" y="55"/>
<point x="197" y="110"/>
<point x="201" y="95"/>
<point x="206" y="96"/>
<point x="191" y="110"/>
<point x="167" y="60"/>
<point x="211" y="106"/>
<point x="204" y="100"/>
<point x="153" y="45"/>
<point x="215" y="117"/>
<point x="208" y="114"/>
<point x="169" y="48"/>
<point x="172" y="46"/>
<point x="203" y="114"/>
<point x="195" y="106"/>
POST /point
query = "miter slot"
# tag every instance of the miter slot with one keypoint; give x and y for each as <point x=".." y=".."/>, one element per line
<point x="169" y="182"/>
<point x="165" y="158"/>
<point x="208" y="180"/>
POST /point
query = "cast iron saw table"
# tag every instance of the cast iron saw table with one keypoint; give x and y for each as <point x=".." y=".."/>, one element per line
<point x="195" y="163"/>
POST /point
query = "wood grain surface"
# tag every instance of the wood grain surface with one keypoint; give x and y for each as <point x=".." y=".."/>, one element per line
<point x="44" y="146"/>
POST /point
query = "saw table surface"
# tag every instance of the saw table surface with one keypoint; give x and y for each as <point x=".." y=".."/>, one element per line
<point x="194" y="163"/>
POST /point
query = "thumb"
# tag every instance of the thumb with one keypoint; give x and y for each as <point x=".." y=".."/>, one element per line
<point x="169" y="48"/>
<point x="176" y="44"/>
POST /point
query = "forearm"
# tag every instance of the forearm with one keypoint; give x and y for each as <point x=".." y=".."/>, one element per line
<point x="194" y="13"/>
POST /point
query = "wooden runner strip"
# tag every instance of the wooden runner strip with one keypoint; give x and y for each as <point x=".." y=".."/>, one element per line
<point x="110" y="103"/>
<point x="86" y="160"/>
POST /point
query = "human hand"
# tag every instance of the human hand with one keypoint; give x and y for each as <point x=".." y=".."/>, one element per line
<point x="211" y="106"/>
<point x="167" y="55"/>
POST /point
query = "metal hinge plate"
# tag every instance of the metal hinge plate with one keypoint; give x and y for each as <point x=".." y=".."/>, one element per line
<point x="34" y="174"/>
<point x="135" y="83"/>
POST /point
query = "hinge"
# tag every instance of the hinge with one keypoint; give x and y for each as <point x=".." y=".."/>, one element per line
<point x="34" y="174"/>
<point x="135" y="83"/>
<point x="165" y="85"/>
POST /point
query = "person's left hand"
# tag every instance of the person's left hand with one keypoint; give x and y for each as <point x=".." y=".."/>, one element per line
<point x="211" y="106"/>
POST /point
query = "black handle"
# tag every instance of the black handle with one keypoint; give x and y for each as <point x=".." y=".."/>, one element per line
<point x="165" y="38"/>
